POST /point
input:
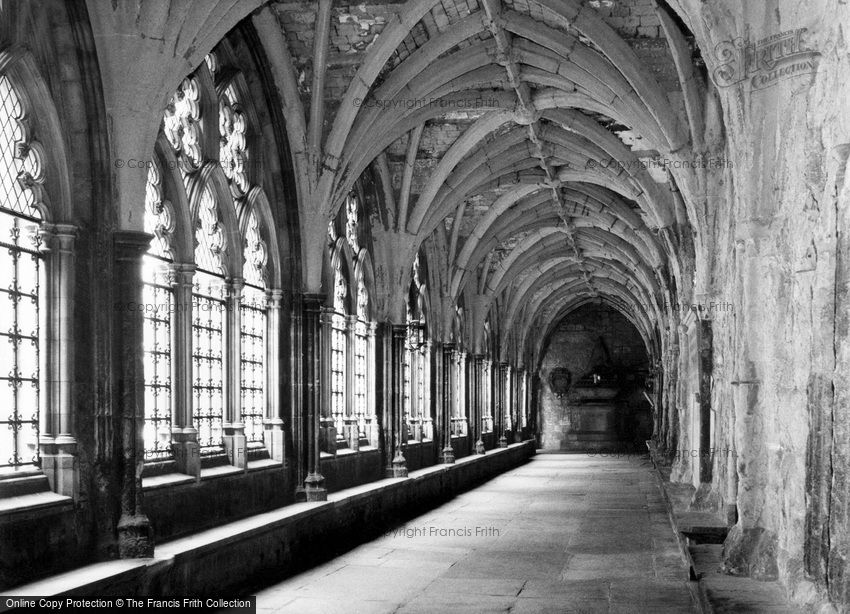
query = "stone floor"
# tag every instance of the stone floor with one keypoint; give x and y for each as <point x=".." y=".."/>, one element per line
<point x="564" y="533"/>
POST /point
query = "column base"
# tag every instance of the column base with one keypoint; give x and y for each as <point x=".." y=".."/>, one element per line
<point x="236" y="446"/>
<point x="187" y="457"/>
<point x="59" y="464"/>
<point x="274" y="441"/>
<point x="135" y="537"/>
<point x="314" y="488"/>
<point x="398" y="469"/>
<point x="479" y="447"/>
<point x="448" y="455"/>
<point x="503" y="442"/>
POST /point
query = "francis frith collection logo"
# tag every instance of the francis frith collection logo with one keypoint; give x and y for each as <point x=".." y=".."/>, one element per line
<point x="765" y="62"/>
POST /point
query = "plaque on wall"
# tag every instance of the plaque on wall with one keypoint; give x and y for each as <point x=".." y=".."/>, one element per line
<point x="559" y="380"/>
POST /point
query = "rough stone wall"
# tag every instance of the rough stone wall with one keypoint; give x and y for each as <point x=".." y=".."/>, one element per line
<point x="775" y="233"/>
<point x="572" y="346"/>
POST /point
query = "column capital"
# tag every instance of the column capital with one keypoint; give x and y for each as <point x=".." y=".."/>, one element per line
<point x="398" y="330"/>
<point x="130" y="244"/>
<point x="58" y="236"/>
<point x="274" y="298"/>
<point x="234" y="286"/>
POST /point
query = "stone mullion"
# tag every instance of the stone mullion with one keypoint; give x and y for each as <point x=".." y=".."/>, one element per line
<point x="235" y="442"/>
<point x="273" y="437"/>
<point x="314" y="393"/>
<point x="184" y="435"/>
<point x="448" y="368"/>
<point x="57" y="440"/>
<point x="135" y="535"/>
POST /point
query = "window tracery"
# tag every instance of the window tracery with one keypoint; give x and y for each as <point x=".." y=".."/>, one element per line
<point x="182" y="123"/>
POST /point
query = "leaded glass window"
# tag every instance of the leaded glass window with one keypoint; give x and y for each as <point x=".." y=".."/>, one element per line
<point x="361" y="359"/>
<point x="21" y="269"/>
<point x="338" y="352"/>
<point x="407" y="396"/>
<point x="338" y="356"/>
<point x="253" y="319"/>
<point x="361" y="374"/>
<point x="208" y="321"/>
<point x="421" y="406"/>
<point x="157" y="309"/>
<point x="487" y="397"/>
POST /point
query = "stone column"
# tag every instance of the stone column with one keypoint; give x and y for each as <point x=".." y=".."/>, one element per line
<point x="449" y="400"/>
<point x="57" y="442"/>
<point x="273" y="437"/>
<point x="297" y="399"/>
<point x="477" y="398"/>
<point x="504" y="403"/>
<point x="135" y="535"/>
<point x="464" y="399"/>
<point x="313" y="356"/>
<point x="399" y="463"/>
<point x="184" y="435"/>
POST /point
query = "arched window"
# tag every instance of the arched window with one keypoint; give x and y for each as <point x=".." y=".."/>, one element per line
<point x="348" y="334"/>
<point x="21" y="272"/>
<point x="361" y="360"/>
<point x="157" y="309"/>
<point x="460" y="423"/>
<point x="417" y="371"/>
<point x="209" y="306"/>
<point x="487" y="384"/>
<point x="253" y="323"/>
<point x="226" y="239"/>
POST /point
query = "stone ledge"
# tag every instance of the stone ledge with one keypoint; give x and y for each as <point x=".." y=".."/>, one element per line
<point x="275" y="544"/>
<point x="33" y="505"/>
<point x="716" y="591"/>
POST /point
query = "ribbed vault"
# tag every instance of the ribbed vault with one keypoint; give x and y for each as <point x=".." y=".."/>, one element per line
<point x="516" y="136"/>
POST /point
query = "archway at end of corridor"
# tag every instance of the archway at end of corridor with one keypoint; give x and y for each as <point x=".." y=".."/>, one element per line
<point x="594" y="384"/>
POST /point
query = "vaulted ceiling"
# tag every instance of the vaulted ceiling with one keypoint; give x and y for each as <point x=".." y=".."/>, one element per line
<point x="544" y="149"/>
<point x="532" y="134"/>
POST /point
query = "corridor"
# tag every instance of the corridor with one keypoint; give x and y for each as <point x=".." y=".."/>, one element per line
<point x="563" y="533"/>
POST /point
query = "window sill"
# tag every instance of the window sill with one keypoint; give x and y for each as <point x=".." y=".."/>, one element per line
<point x="416" y="442"/>
<point x="25" y="506"/>
<point x="207" y="473"/>
<point x="347" y="452"/>
<point x="21" y="483"/>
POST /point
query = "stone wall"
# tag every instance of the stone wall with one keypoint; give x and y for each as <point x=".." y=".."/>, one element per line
<point x="775" y="250"/>
<point x="575" y="346"/>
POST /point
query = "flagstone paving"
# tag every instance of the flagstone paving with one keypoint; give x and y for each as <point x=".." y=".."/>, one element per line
<point x="564" y="533"/>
